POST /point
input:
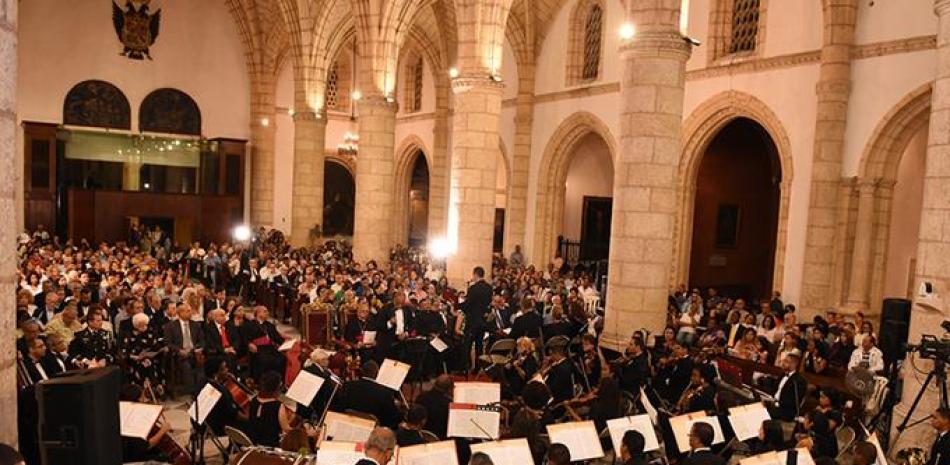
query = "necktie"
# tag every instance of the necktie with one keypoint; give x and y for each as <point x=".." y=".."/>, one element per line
<point x="224" y="337"/>
<point x="186" y="335"/>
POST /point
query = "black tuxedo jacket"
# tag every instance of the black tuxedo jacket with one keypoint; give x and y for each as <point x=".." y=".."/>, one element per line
<point x="940" y="451"/>
<point x="790" y="398"/>
<point x="528" y="324"/>
<point x="704" y="458"/>
<point x="477" y="300"/>
<point x="367" y="396"/>
<point x="437" y="406"/>
<point x="560" y="381"/>
<point x="54" y="364"/>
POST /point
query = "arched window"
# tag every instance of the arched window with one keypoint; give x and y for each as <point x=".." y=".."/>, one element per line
<point x="412" y="83"/>
<point x="737" y="27"/>
<point x="98" y="104"/>
<point x="170" y="110"/>
<point x="585" y="42"/>
<point x="745" y="25"/>
<point x="592" y="32"/>
<point x="333" y="79"/>
<point x="340" y="78"/>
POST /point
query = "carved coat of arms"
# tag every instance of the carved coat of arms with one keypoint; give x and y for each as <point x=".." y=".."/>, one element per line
<point x="136" y="28"/>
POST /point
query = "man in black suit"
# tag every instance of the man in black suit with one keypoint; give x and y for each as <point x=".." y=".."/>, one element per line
<point x="436" y="401"/>
<point x="379" y="448"/>
<point x="56" y="360"/>
<point x="631" y="448"/>
<point x="367" y="396"/>
<point x="701" y="437"/>
<point x="791" y="389"/>
<point x="560" y="379"/>
<point x="221" y="340"/>
<point x="675" y="373"/>
<point x="528" y="323"/>
<point x="477" y="300"/>
<point x="635" y="371"/>
<point x="185" y="338"/>
<point x="319" y="366"/>
<point x="940" y="451"/>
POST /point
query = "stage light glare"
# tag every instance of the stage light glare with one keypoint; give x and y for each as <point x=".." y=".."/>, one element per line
<point x="440" y="248"/>
<point x="627" y="31"/>
<point x="453" y="72"/>
<point x="241" y="233"/>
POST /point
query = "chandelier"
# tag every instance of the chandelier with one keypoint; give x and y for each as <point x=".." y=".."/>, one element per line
<point x="350" y="145"/>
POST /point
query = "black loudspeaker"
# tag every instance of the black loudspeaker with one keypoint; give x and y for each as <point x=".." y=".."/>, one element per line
<point x="895" y="323"/>
<point x="79" y="418"/>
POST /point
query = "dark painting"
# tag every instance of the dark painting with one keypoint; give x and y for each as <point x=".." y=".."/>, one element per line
<point x="170" y="111"/>
<point x="595" y="230"/>
<point x="97" y="104"/>
<point x="727" y="226"/>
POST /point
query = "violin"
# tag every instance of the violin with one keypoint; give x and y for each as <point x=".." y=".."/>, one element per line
<point x="239" y="392"/>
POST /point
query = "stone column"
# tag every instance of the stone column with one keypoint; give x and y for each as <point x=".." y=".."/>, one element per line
<point x="833" y="91"/>
<point x="933" y="247"/>
<point x="262" y="165"/>
<point x="8" y="186"/>
<point x="310" y="130"/>
<point x="644" y="208"/>
<point x="861" y="254"/>
<point x="372" y="227"/>
<point x="472" y="177"/>
<point x="517" y="210"/>
<point x="439" y="171"/>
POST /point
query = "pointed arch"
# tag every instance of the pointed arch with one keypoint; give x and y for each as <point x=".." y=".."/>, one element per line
<point x="406" y="156"/>
<point x="552" y="175"/>
<point x="703" y="124"/>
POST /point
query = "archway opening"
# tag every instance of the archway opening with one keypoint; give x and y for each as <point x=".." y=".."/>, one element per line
<point x="587" y="202"/>
<point x="501" y="202"/>
<point x="736" y="211"/>
<point x="905" y="218"/>
<point x="339" y="198"/>
<point x="419" y="201"/>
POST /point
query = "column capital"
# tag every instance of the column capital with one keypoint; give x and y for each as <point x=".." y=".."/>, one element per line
<point x="377" y="101"/>
<point x="315" y="116"/>
<point x="466" y="82"/>
<point x="942" y="7"/>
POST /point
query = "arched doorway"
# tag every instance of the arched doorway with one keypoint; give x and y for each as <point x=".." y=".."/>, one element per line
<point x="587" y="202"/>
<point x="736" y="212"/>
<point x="339" y="194"/>
<point x="906" y="205"/>
<point x="419" y="201"/>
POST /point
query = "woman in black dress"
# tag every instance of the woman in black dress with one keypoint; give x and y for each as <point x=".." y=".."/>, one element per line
<point x="268" y="417"/>
<point x="142" y="350"/>
<point x="262" y="343"/>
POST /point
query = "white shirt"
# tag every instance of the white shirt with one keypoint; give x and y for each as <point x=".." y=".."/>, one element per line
<point x="781" y="384"/>
<point x="874" y="358"/>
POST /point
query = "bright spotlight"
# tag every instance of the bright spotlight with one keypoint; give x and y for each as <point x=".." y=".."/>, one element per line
<point x="440" y="248"/>
<point x="241" y="233"/>
<point x="453" y="72"/>
<point x="357" y="95"/>
<point x="627" y="31"/>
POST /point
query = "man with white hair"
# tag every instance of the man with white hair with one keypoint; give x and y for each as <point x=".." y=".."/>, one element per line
<point x="379" y="447"/>
<point x="222" y="340"/>
<point x="319" y="366"/>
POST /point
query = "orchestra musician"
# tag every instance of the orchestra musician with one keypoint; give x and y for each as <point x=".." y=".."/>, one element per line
<point x="226" y="411"/>
<point x="590" y="360"/>
<point x="138" y="449"/>
<point x="436" y="401"/>
<point x="700" y="395"/>
<point x="477" y="300"/>
<point x="268" y="418"/>
<point x="791" y="389"/>
<point x="631" y="448"/>
<point x="527" y="322"/>
<point x="368" y="396"/>
<point x="701" y="437"/>
<point x="319" y="366"/>
<point x="523" y="367"/>
<point x="634" y="367"/>
<point x="379" y="448"/>
<point x="559" y="375"/>
<point x="674" y="372"/>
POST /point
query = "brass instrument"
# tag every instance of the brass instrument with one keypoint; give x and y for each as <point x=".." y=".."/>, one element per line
<point x="687" y="397"/>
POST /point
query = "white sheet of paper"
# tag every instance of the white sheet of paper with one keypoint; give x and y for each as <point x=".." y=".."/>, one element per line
<point x="287" y="345"/>
<point x="400" y="321"/>
<point x="339" y="453"/>
<point x="207" y="398"/>
<point x="507" y="452"/>
<point x="392" y="373"/>
<point x="477" y="393"/>
<point x="682" y="424"/>
<point x="369" y="337"/>
<point x="347" y="428"/>
<point x="506" y="330"/>
<point x="779" y="458"/>
<point x="642" y="423"/>
<point x="471" y="421"/>
<point x="305" y="387"/>
<point x="442" y="453"/>
<point x="651" y="411"/>
<point x="747" y="420"/>
<point x="438" y="344"/>
<point x="137" y="419"/>
<point x="580" y="437"/>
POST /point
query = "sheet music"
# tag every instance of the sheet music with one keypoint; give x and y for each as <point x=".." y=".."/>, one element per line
<point x="438" y="344"/>
<point x="347" y="428"/>
<point x="473" y="421"/>
<point x="580" y="437"/>
<point x="392" y="373"/>
<point x="305" y="387"/>
<point x="339" y="453"/>
<point x="207" y="399"/>
<point x="477" y="393"/>
<point x="682" y="424"/>
<point x="507" y="452"/>
<point x="369" y="337"/>
<point x="642" y="423"/>
<point x="137" y="419"/>
<point x="779" y="458"/>
<point x="747" y="420"/>
<point x="648" y="406"/>
<point x="442" y="453"/>
<point x="287" y="345"/>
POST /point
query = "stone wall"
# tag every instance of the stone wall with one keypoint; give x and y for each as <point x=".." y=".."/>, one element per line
<point x="8" y="127"/>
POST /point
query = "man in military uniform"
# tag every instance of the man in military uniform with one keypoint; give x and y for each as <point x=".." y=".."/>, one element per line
<point x="92" y="346"/>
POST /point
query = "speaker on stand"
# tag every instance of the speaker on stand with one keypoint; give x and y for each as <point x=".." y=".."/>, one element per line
<point x="79" y="418"/>
<point x="894" y="328"/>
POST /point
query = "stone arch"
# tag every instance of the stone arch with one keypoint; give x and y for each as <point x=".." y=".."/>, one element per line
<point x="703" y="124"/>
<point x="405" y="160"/>
<point x="338" y="213"/>
<point x="877" y="171"/>
<point x="552" y="174"/>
